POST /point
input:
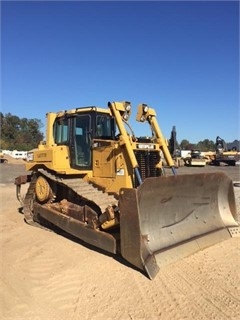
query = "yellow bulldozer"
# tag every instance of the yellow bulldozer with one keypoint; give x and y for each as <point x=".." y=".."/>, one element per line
<point x="95" y="180"/>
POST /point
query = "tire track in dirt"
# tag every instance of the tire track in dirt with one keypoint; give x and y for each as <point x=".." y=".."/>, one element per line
<point x="195" y="305"/>
<point x="212" y="285"/>
<point x="29" y="298"/>
<point x="150" y="292"/>
<point x="53" y="279"/>
<point x="98" y="300"/>
<point x="41" y="258"/>
<point x="165" y="300"/>
<point x="206" y="293"/>
<point x="202" y="286"/>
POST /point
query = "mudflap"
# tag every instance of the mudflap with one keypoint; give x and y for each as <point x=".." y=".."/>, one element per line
<point x="18" y="182"/>
<point x="171" y="217"/>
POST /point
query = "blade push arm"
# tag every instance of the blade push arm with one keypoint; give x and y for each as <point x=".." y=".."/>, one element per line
<point x="121" y="112"/>
<point x="148" y="114"/>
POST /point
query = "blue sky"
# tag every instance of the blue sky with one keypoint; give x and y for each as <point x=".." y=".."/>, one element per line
<point x="179" y="57"/>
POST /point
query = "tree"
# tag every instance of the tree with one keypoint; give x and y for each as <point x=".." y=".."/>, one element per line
<point x="206" y="145"/>
<point x="19" y="134"/>
<point x="185" y="145"/>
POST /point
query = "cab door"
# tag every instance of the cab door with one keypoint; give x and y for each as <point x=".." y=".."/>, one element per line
<point x="103" y="159"/>
<point x="81" y="142"/>
<point x="103" y="147"/>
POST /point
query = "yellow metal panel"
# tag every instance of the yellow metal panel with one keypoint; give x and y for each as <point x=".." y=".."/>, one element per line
<point x="103" y="160"/>
<point x="55" y="158"/>
<point x="43" y="155"/>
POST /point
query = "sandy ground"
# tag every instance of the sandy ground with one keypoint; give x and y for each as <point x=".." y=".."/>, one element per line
<point x="47" y="276"/>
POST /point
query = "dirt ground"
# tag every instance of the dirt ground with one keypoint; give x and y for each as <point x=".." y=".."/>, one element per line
<point x="45" y="276"/>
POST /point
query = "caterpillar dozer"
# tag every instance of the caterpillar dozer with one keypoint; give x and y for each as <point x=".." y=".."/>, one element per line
<point x="95" y="180"/>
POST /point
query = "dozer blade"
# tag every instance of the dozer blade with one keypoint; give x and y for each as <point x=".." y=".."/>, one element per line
<point x="168" y="218"/>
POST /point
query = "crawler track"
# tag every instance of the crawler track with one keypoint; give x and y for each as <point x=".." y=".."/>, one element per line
<point x="78" y="190"/>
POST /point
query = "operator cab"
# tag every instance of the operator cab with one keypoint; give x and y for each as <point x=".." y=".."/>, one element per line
<point x="80" y="130"/>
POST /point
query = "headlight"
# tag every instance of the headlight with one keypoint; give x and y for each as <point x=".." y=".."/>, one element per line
<point x="145" y="109"/>
<point x="128" y="107"/>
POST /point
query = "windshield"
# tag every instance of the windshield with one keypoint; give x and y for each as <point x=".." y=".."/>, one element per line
<point x="104" y="127"/>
